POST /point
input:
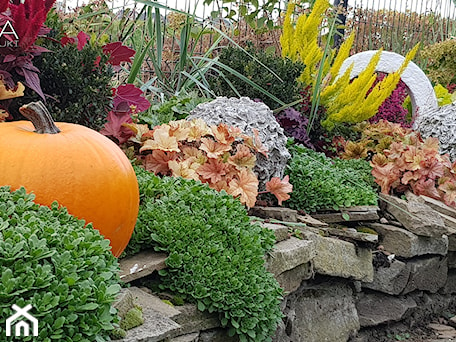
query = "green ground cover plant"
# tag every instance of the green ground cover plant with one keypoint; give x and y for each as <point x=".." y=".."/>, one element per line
<point x="215" y="253"/>
<point x="320" y="182"/>
<point x="66" y="271"/>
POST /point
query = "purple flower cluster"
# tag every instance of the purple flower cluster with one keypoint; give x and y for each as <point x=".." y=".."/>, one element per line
<point x="295" y="124"/>
<point x="392" y="109"/>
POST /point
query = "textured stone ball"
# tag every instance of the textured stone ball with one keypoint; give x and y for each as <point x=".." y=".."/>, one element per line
<point x="247" y="115"/>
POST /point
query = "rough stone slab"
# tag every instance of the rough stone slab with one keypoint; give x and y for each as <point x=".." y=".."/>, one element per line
<point x="450" y="285"/>
<point x="391" y="280"/>
<point x="141" y="265"/>
<point x="124" y="302"/>
<point x="416" y="217"/>
<point x="353" y="235"/>
<point x="439" y="206"/>
<point x="216" y="335"/>
<point x="309" y="220"/>
<point x="148" y="301"/>
<point x="451" y="227"/>
<point x="156" y="327"/>
<point x="186" y="338"/>
<point x="404" y="243"/>
<point x="360" y="213"/>
<point x="289" y="254"/>
<point x="280" y="231"/>
<point x="192" y="320"/>
<point x="278" y="213"/>
<point x="319" y="312"/>
<point x="341" y="258"/>
<point x="377" y="308"/>
<point x="290" y="280"/>
<point x="428" y="274"/>
<point x="451" y="259"/>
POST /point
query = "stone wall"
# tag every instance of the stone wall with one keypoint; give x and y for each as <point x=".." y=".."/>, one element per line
<point x="341" y="284"/>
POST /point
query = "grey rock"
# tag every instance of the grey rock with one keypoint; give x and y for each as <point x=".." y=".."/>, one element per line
<point x="216" y="335"/>
<point x="280" y="231"/>
<point x="289" y="254"/>
<point x="278" y="213"/>
<point x="404" y="243"/>
<point x="290" y="280"/>
<point x="148" y="301"/>
<point x="450" y="285"/>
<point x="141" y="265"/>
<point x="249" y="115"/>
<point x="192" y="320"/>
<point x="416" y="217"/>
<point x="156" y="327"/>
<point x="124" y="302"/>
<point x="429" y="274"/>
<point x="391" y="280"/>
<point x="186" y="338"/>
<point x="319" y="312"/>
<point x="377" y="308"/>
<point x="341" y="258"/>
<point x="451" y="259"/>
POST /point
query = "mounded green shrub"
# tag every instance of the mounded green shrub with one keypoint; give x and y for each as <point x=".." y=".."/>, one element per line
<point x="77" y="84"/>
<point x="235" y="58"/>
<point x="215" y="253"/>
<point x="320" y="182"/>
<point x="64" y="270"/>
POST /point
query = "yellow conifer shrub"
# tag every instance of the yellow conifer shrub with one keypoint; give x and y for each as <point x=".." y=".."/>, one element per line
<point x="345" y="100"/>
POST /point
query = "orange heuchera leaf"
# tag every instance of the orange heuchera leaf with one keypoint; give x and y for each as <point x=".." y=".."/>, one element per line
<point x="426" y="187"/>
<point x="214" y="170"/>
<point x="431" y="168"/>
<point x="161" y="141"/>
<point x="245" y="186"/>
<point x="223" y="134"/>
<point x="410" y="176"/>
<point x="355" y="150"/>
<point x="193" y="152"/>
<point x="258" y="144"/>
<point x="379" y="159"/>
<point x="185" y="169"/>
<point x="158" y="160"/>
<point x="395" y="151"/>
<point x="213" y="148"/>
<point x="220" y="185"/>
<point x="413" y="157"/>
<point x="385" y="176"/>
<point x="11" y="93"/>
<point x="243" y="158"/>
<point x="179" y="129"/>
<point x="198" y="129"/>
<point x="431" y="143"/>
<point x="139" y="131"/>
<point x="449" y="189"/>
<point x="280" y="188"/>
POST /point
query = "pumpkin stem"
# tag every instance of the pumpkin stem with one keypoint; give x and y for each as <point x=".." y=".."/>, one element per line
<point x="40" y="117"/>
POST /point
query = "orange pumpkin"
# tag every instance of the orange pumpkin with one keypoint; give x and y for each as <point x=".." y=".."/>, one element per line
<point x="74" y="165"/>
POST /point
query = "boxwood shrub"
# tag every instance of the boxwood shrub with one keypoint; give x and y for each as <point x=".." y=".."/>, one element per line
<point x="215" y="253"/>
<point x="64" y="270"/>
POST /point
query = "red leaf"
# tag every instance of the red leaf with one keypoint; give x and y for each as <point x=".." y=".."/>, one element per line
<point x="280" y="188"/>
<point x="67" y="40"/>
<point x="83" y="38"/>
<point x="130" y="95"/>
<point x="118" y="53"/>
<point x="114" y="127"/>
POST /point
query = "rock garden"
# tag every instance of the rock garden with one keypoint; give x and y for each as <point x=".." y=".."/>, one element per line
<point x="162" y="181"/>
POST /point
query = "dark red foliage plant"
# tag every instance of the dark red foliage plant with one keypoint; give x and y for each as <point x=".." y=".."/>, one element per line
<point x="21" y="25"/>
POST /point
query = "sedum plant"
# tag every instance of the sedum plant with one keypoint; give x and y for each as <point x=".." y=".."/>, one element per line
<point x="320" y="182"/>
<point x="64" y="269"/>
<point x="221" y="156"/>
<point x="215" y="254"/>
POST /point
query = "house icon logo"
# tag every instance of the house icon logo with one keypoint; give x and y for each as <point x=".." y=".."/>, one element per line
<point x="21" y="327"/>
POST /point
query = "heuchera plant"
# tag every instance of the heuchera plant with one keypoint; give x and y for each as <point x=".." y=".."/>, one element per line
<point x="221" y="156"/>
<point x="24" y="23"/>
<point x="402" y="160"/>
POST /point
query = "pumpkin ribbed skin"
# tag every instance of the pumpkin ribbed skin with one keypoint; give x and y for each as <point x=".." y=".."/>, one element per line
<point x="78" y="167"/>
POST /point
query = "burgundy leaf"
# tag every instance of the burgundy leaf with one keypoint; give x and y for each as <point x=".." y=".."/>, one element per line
<point x="83" y="38"/>
<point x="115" y="129"/>
<point x="118" y="53"/>
<point x="33" y="81"/>
<point x="132" y="95"/>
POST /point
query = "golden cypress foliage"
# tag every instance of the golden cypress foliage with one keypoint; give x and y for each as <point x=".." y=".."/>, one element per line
<point x="345" y="100"/>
